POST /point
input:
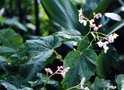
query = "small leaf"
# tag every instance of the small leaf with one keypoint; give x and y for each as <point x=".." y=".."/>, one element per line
<point x="100" y="84"/>
<point x="113" y="16"/>
<point x="8" y="86"/>
<point x="120" y="81"/>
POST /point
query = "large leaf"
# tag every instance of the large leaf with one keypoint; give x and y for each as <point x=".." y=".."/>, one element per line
<point x="82" y="64"/>
<point x="106" y="63"/>
<point x="10" y="38"/>
<point x="35" y="54"/>
<point x="63" y="12"/>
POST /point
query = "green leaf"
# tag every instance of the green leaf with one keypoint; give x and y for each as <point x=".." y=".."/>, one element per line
<point x="43" y="88"/>
<point x="14" y="22"/>
<point x="100" y="84"/>
<point x="72" y="37"/>
<point x="83" y="44"/>
<point x="102" y="6"/>
<point x="6" y="50"/>
<point x="120" y="81"/>
<point x="63" y="12"/>
<point x="15" y="83"/>
<point x="106" y="63"/>
<point x="1" y="19"/>
<point x="35" y="54"/>
<point x="10" y="38"/>
<point x="9" y="86"/>
<point x="115" y="27"/>
<point x="82" y="64"/>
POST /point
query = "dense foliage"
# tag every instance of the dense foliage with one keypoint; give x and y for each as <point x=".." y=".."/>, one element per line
<point x="61" y="45"/>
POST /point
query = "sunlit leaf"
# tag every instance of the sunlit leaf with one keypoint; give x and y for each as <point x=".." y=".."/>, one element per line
<point x="113" y="16"/>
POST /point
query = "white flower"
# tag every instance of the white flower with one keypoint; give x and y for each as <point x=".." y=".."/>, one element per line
<point x="100" y="44"/>
<point x="86" y="88"/>
<point x="100" y="26"/>
<point x="99" y="15"/>
<point x="95" y="28"/>
<point x="115" y="35"/>
<point x="91" y="21"/>
<point x="82" y="83"/>
<point x="105" y="47"/>
<point x="85" y="23"/>
<point x="80" y="12"/>
<point x="112" y="37"/>
<point x="62" y="71"/>
<point x="82" y="20"/>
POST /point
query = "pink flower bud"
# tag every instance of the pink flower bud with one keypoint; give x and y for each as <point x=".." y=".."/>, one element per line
<point x="62" y="71"/>
<point x="99" y="15"/>
<point x="95" y="28"/>
<point x="48" y="70"/>
<point x="92" y="25"/>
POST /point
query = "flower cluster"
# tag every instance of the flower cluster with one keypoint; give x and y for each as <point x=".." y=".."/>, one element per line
<point x="60" y="70"/>
<point x="103" y="40"/>
<point x="110" y="39"/>
<point x="83" y="20"/>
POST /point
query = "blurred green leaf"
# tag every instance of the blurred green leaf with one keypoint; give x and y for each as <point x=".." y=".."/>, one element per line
<point x="14" y="22"/>
<point x="5" y="50"/>
<point x="115" y="27"/>
<point x="82" y="64"/>
<point x="120" y="81"/>
<point x="10" y="38"/>
<point x="102" y="6"/>
<point x="100" y="84"/>
<point x="63" y="12"/>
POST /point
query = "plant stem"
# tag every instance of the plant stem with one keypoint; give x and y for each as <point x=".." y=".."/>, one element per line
<point x="37" y="22"/>
<point x="91" y="43"/>
<point x="59" y="56"/>
<point x="47" y="78"/>
<point x="87" y="34"/>
<point x="72" y="87"/>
